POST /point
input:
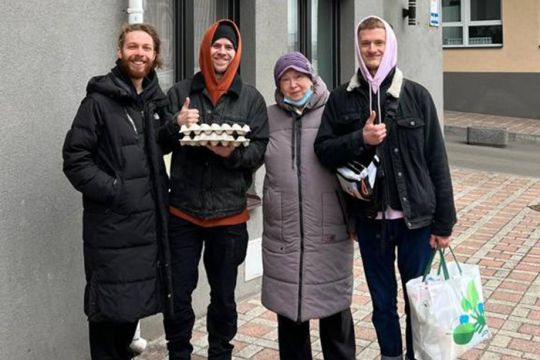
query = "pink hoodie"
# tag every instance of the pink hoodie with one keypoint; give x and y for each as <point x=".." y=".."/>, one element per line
<point x="389" y="59"/>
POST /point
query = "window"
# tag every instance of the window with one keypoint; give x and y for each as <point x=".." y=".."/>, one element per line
<point x="472" y="23"/>
<point x="193" y="18"/>
<point x="160" y="13"/>
<point x="314" y="31"/>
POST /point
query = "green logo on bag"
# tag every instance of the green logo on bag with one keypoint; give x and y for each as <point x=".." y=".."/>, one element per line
<point x="474" y="309"/>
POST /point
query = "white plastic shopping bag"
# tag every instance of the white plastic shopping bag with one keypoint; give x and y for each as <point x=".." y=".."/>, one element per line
<point x="447" y="310"/>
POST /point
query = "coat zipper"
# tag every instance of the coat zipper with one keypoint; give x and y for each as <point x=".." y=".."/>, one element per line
<point x="298" y="128"/>
<point x="131" y="121"/>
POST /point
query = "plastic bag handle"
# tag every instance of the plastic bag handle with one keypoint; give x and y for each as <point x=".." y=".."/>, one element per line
<point x="428" y="266"/>
<point x="455" y="259"/>
<point x="442" y="264"/>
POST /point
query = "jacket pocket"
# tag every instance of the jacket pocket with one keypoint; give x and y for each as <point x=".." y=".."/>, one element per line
<point x="334" y="227"/>
<point x="349" y="122"/>
<point x="411" y="133"/>
<point x="272" y="215"/>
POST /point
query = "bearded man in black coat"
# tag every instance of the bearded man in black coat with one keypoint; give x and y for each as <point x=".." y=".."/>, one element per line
<point x="112" y="157"/>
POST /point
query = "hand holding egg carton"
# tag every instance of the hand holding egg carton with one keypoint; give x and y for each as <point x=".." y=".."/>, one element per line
<point x="214" y="135"/>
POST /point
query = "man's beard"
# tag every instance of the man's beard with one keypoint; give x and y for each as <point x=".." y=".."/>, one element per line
<point x="136" y="74"/>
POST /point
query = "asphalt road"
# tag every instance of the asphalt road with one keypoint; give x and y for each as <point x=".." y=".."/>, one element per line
<point x="517" y="158"/>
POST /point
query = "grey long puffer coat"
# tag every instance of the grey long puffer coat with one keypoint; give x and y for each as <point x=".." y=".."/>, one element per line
<point x="307" y="254"/>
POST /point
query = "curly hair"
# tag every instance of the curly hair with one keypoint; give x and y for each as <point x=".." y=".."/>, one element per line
<point x="150" y="30"/>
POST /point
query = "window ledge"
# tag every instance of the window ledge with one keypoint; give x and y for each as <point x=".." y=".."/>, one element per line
<point x="492" y="46"/>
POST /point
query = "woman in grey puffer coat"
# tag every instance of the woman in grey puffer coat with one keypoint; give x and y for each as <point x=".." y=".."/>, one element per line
<point x="307" y="253"/>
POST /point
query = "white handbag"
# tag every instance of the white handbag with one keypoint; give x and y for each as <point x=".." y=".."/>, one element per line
<point x="447" y="310"/>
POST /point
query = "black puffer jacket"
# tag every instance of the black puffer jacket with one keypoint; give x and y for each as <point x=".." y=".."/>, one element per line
<point x="203" y="184"/>
<point x="112" y="157"/>
<point x="414" y="148"/>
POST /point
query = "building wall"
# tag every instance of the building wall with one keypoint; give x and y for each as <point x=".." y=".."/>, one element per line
<point x="520" y="52"/>
<point x="50" y="51"/>
<point x="499" y="81"/>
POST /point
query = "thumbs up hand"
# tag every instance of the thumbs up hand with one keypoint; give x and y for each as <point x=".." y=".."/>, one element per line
<point x="187" y="116"/>
<point x="374" y="134"/>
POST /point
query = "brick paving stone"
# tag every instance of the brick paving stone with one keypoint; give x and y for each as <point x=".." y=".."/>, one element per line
<point x="530" y="329"/>
<point x="506" y="296"/>
<point x="473" y="354"/>
<point x="534" y="315"/>
<point x="526" y="346"/>
<point x="245" y="307"/>
<point x="365" y="333"/>
<point x="524" y="276"/>
<point x="515" y="286"/>
<point x="266" y="354"/>
<point x="254" y="329"/>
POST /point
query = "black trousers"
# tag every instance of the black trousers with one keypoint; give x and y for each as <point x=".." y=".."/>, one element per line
<point x="336" y="333"/>
<point x="225" y="249"/>
<point x="110" y="341"/>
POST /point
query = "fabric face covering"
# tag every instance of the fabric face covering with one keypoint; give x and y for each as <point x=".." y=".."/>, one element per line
<point x="303" y="101"/>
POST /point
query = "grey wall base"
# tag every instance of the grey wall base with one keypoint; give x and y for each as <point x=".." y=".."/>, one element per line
<point x="504" y="94"/>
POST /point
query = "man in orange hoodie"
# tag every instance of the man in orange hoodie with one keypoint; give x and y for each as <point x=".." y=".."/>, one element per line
<point x="208" y="201"/>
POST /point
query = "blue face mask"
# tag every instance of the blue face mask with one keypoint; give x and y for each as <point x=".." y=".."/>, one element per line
<point x="303" y="101"/>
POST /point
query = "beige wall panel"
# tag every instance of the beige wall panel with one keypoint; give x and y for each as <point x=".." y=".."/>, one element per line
<point x="521" y="41"/>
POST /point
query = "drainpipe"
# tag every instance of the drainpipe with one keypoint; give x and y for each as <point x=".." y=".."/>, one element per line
<point x="135" y="11"/>
<point x="138" y="344"/>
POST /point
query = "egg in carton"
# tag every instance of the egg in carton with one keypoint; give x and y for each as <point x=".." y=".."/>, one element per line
<point x="226" y="128"/>
<point x="240" y="140"/>
<point x="227" y="140"/>
<point x="201" y="139"/>
<point x="216" y="129"/>
<point x="187" y="141"/>
<point x="214" y="139"/>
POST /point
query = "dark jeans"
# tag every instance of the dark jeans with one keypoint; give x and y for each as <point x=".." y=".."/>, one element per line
<point x="110" y="341"/>
<point x="224" y="250"/>
<point x="413" y="252"/>
<point x="336" y="332"/>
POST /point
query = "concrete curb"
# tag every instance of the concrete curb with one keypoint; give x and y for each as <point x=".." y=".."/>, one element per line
<point x="512" y="136"/>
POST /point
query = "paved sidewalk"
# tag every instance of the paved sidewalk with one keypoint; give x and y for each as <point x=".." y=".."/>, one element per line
<point x="519" y="129"/>
<point x="497" y="230"/>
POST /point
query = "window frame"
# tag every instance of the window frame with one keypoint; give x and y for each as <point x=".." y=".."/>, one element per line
<point x="466" y="22"/>
<point x="185" y="30"/>
<point x="305" y="37"/>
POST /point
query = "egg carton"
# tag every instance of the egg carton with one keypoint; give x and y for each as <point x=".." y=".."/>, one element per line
<point x="214" y="134"/>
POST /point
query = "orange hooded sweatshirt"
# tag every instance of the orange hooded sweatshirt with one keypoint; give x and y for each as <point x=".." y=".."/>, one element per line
<point x="216" y="88"/>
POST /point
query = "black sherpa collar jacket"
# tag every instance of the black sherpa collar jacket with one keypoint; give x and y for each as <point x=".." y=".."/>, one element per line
<point x="415" y="143"/>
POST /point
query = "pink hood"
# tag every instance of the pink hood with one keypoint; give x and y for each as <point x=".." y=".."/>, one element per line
<point x="389" y="59"/>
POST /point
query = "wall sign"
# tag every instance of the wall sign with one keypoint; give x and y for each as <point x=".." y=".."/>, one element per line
<point x="434" y="17"/>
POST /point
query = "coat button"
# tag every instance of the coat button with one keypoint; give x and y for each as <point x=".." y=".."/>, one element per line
<point x="404" y="198"/>
<point x="409" y="224"/>
<point x="400" y="174"/>
<point x="413" y="123"/>
<point x="169" y="296"/>
<point x="396" y="150"/>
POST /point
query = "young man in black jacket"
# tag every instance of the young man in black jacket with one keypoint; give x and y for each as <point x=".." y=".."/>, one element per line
<point x="412" y="208"/>
<point x="208" y="190"/>
<point x="111" y="155"/>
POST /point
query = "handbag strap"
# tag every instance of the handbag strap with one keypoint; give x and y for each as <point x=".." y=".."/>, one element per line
<point x="454" y="257"/>
<point x="442" y="264"/>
